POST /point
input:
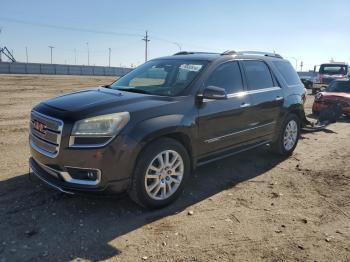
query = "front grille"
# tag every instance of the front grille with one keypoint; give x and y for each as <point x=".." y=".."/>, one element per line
<point x="45" y="134"/>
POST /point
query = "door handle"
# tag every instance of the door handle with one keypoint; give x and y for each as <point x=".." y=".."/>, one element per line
<point x="278" y="98"/>
<point x="245" y="104"/>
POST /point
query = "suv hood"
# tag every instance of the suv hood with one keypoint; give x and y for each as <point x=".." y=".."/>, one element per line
<point x="336" y="95"/>
<point x="98" y="99"/>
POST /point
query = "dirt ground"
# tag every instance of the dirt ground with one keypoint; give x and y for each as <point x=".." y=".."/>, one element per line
<point x="251" y="207"/>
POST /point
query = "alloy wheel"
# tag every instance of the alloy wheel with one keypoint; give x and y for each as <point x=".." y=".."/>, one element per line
<point x="164" y="175"/>
<point x="290" y="135"/>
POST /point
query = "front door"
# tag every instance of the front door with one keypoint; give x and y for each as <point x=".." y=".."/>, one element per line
<point x="222" y="123"/>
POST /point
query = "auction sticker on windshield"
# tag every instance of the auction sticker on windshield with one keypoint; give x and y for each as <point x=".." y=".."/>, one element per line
<point x="191" y="67"/>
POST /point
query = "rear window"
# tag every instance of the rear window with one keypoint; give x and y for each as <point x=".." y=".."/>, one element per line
<point x="333" y="69"/>
<point x="258" y="75"/>
<point x="288" y="72"/>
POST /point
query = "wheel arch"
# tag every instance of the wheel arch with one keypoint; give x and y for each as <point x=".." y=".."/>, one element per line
<point x="176" y="127"/>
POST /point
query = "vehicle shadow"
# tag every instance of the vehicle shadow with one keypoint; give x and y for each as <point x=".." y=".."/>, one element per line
<point x="60" y="227"/>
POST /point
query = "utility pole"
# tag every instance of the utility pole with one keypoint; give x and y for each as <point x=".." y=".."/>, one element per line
<point x="88" y="53"/>
<point x="301" y="66"/>
<point x="146" y="39"/>
<point x="0" y="45"/>
<point x="51" y="47"/>
<point x="109" y="57"/>
<point x="178" y="45"/>
<point x="75" y="56"/>
<point x="27" y="54"/>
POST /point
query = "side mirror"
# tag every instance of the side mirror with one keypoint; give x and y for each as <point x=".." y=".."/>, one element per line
<point x="214" y="92"/>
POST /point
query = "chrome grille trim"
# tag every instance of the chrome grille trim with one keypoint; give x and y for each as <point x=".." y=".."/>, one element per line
<point x="47" y="144"/>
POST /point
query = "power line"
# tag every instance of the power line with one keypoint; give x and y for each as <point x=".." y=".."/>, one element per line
<point x="69" y="28"/>
<point x="87" y="30"/>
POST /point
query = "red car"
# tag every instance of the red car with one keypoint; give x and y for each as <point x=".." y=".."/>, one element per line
<point x="337" y="93"/>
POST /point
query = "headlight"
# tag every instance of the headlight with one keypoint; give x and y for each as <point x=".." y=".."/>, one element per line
<point x="98" y="130"/>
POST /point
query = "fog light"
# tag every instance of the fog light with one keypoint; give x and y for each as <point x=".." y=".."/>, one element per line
<point x="91" y="175"/>
<point x="81" y="174"/>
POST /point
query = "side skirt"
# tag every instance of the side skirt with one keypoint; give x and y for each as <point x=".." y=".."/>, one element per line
<point x="232" y="152"/>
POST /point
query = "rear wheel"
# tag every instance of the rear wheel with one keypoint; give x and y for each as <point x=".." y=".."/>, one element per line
<point x="160" y="174"/>
<point x="288" y="136"/>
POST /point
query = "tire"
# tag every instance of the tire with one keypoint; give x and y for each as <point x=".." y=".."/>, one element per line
<point x="282" y="145"/>
<point x="160" y="177"/>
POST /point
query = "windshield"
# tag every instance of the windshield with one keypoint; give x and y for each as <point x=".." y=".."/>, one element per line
<point x="160" y="77"/>
<point x="333" y="69"/>
<point x="339" y="86"/>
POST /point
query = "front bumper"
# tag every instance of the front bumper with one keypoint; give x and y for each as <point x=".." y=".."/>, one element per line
<point x="92" y="169"/>
<point x="114" y="163"/>
<point x="317" y="107"/>
<point x="54" y="180"/>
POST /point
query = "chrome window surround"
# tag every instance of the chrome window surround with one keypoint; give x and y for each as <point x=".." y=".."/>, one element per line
<point x="67" y="177"/>
<point x="250" y="92"/>
<point x="54" y="125"/>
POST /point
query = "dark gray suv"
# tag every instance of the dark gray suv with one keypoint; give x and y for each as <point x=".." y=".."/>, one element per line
<point x="145" y="133"/>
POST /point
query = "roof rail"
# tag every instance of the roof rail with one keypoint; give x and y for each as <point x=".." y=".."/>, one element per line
<point x="183" y="53"/>
<point x="231" y="52"/>
<point x="191" y="53"/>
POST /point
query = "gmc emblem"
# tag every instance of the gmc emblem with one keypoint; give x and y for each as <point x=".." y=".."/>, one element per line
<point x="39" y="126"/>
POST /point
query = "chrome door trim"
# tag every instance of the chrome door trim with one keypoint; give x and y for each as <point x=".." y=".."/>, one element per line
<point x="263" y="90"/>
<point x="215" y="139"/>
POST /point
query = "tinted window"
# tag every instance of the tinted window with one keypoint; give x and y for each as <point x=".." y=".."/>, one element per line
<point x="227" y="76"/>
<point x="339" y="86"/>
<point x="288" y="72"/>
<point x="333" y="69"/>
<point x="258" y="75"/>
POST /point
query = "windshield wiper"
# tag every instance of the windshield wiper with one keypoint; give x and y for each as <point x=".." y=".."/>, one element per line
<point x="133" y="90"/>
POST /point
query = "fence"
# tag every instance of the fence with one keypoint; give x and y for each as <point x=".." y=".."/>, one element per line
<point x="57" y="69"/>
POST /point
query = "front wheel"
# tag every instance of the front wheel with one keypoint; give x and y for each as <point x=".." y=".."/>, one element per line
<point x="160" y="174"/>
<point x="288" y="136"/>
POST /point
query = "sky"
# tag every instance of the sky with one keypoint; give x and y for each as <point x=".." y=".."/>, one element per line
<point x="311" y="32"/>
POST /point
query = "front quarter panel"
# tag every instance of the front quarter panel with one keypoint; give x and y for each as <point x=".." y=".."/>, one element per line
<point x="151" y="129"/>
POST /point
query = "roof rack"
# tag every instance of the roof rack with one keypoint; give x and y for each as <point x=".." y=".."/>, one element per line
<point x="232" y="52"/>
<point x="229" y="52"/>
<point x="191" y="53"/>
<point x="183" y="53"/>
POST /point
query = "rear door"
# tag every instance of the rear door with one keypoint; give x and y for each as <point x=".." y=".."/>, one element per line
<point x="221" y="123"/>
<point x="266" y="96"/>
